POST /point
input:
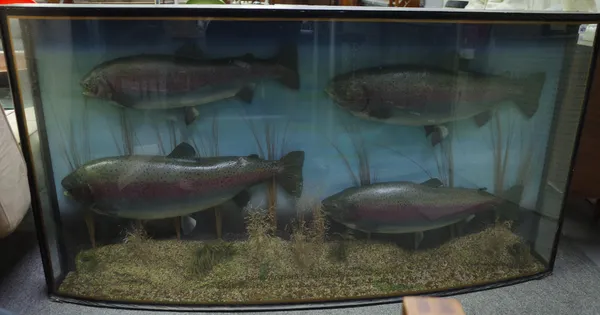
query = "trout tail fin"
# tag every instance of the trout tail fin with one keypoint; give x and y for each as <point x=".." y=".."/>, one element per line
<point x="530" y="89"/>
<point x="290" y="178"/>
<point x="288" y="59"/>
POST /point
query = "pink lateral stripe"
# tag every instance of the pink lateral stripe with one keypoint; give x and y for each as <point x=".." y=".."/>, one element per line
<point x="176" y="189"/>
<point x="407" y="213"/>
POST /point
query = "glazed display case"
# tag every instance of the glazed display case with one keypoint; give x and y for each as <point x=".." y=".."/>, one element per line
<point x="244" y="157"/>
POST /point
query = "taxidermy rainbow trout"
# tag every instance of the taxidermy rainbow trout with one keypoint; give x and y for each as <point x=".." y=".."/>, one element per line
<point x="158" y="187"/>
<point x="429" y="96"/>
<point x="181" y="81"/>
<point x="406" y="207"/>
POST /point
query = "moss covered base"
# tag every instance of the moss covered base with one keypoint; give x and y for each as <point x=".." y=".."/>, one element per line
<point x="267" y="268"/>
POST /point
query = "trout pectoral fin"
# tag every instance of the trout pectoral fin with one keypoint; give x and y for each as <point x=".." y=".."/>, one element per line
<point x="122" y="99"/>
<point x="380" y="112"/>
<point x="190" y="114"/>
<point x="482" y="118"/>
<point x="429" y="130"/>
<point x="246" y="94"/>
<point x="242" y="198"/>
<point x="470" y="218"/>
<point x="188" y="224"/>
<point x="419" y="236"/>
<point x="437" y="134"/>
<point x="436" y="138"/>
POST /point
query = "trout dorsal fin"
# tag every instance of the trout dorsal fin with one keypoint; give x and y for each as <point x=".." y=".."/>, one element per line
<point x="182" y="151"/>
<point x="433" y="182"/>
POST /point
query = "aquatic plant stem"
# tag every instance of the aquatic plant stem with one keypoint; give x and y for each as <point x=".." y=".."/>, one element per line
<point x="496" y="134"/>
<point x="525" y="159"/>
<point x="419" y="236"/>
<point x="501" y="152"/>
<point x="450" y="157"/>
<point x="177" y="223"/>
<point x="452" y="231"/>
<point x="89" y="222"/>
<point x="272" y="192"/>
<point x="218" y="222"/>
<point x="445" y="162"/>
<point x="272" y="189"/>
<point x="365" y="176"/>
<point x="270" y="151"/>
<point x="344" y="158"/>
<point x="428" y="173"/>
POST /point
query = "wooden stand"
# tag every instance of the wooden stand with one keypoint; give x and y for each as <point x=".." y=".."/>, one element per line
<point x="89" y="222"/>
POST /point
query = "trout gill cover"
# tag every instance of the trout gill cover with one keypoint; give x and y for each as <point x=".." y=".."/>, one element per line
<point x="159" y="187"/>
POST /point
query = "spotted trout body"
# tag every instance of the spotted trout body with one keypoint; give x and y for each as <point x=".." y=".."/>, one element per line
<point x="425" y="96"/>
<point x="405" y="207"/>
<point x="157" y="187"/>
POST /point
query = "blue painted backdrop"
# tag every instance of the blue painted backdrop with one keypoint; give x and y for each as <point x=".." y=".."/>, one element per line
<point x="66" y="50"/>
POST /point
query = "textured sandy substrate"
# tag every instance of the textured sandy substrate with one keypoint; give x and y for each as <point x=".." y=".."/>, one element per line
<point x="271" y="269"/>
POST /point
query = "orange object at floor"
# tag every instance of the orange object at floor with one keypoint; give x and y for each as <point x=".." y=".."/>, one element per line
<point x="421" y="305"/>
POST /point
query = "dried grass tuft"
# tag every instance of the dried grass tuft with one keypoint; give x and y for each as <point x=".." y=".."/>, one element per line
<point x="262" y="247"/>
<point x="86" y="261"/>
<point x="210" y="255"/>
<point x="264" y="268"/>
<point x="135" y="234"/>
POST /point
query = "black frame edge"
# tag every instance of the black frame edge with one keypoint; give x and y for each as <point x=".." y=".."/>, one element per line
<point x="299" y="306"/>
<point x="298" y="12"/>
<point x="590" y="78"/>
<point x="283" y="14"/>
<point x="567" y="62"/>
<point x="27" y="154"/>
<point x="40" y="116"/>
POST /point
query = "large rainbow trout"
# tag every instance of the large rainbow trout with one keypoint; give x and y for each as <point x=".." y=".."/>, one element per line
<point x="406" y="207"/>
<point x="159" y="187"/>
<point x="150" y="82"/>
<point x="428" y="96"/>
